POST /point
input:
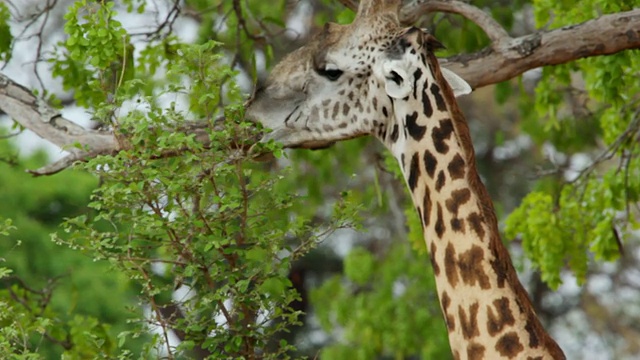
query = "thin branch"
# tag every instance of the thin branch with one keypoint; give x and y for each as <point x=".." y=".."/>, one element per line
<point x="9" y="136"/>
<point x="59" y="165"/>
<point x="166" y="24"/>
<point x="410" y="13"/>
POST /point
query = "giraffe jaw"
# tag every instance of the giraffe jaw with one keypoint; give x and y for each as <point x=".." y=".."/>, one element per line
<point x="292" y="138"/>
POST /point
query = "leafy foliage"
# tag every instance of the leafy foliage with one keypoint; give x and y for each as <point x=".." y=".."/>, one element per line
<point x="561" y="225"/>
<point x="53" y="298"/>
<point x="97" y="55"/>
<point x="392" y="318"/>
<point x="206" y="222"/>
<point x="188" y="236"/>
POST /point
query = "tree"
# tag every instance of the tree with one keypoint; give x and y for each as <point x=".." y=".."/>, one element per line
<point x="181" y="205"/>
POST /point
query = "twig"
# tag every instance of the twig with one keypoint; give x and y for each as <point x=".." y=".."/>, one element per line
<point x="411" y="12"/>
<point x="167" y="23"/>
<point x="9" y="136"/>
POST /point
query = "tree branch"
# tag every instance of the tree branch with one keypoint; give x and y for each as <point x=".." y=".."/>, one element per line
<point x="608" y="34"/>
<point x="509" y="57"/>
<point x="36" y="115"/>
<point x="505" y="59"/>
<point x="410" y="13"/>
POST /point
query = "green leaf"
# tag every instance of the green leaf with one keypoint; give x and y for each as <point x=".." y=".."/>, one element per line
<point x="359" y="266"/>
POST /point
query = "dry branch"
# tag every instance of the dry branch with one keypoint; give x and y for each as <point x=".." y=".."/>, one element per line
<point x="505" y="59"/>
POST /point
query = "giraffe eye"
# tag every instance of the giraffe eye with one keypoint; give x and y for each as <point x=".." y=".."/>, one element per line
<point x="330" y="71"/>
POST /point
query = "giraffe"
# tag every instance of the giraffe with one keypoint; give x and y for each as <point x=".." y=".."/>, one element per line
<point x="373" y="77"/>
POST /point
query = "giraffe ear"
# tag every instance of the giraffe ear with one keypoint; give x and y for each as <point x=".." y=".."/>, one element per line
<point x="458" y="85"/>
<point x="396" y="82"/>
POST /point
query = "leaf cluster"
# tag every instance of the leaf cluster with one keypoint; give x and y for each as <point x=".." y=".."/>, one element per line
<point x="585" y="212"/>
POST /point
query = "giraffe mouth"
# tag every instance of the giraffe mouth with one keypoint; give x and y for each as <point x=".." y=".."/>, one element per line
<point x="288" y="137"/>
<point x="295" y="139"/>
<point x="314" y="145"/>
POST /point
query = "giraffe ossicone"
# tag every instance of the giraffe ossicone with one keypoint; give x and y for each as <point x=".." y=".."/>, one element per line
<point x="373" y="77"/>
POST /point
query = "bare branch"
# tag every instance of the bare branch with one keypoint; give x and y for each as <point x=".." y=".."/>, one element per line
<point x="411" y="12"/>
<point x="36" y="115"/>
<point x="608" y="34"/>
<point x="57" y="166"/>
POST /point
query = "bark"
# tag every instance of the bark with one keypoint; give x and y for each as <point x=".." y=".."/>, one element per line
<point x="506" y="58"/>
<point x="510" y="57"/>
<point x="35" y="114"/>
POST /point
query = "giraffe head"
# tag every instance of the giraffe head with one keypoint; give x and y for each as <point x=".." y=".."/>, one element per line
<point x="342" y="84"/>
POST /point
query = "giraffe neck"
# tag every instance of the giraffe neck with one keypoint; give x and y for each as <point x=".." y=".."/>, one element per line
<point x="486" y="309"/>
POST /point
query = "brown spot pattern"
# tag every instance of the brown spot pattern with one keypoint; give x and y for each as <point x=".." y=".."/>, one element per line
<point x="475" y="351"/>
<point x="469" y="325"/>
<point x="440" y="134"/>
<point x="440" y="104"/>
<point x="416" y="131"/>
<point x="416" y="76"/>
<point x="336" y="109"/>
<point x="534" y="342"/>
<point x="450" y="268"/>
<point x="445" y="301"/>
<point x="432" y="254"/>
<point x="427" y="109"/>
<point x="345" y="109"/>
<point x="457" y="225"/>
<point x="471" y="268"/>
<point x="500" y="318"/>
<point x="439" y="227"/>
<point x="500" y="271"/>
<point x="456" y="167"/>
<point x="440" y="180"/>
<point x="426" y="204"/>
<point x="458" y="197"/>
<point x="509" y="345"/>
<point x="475" y="223"/>
<point x="414" y="172"/>
<point x="430" y="163"/>
<point x="394" y="133"/>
